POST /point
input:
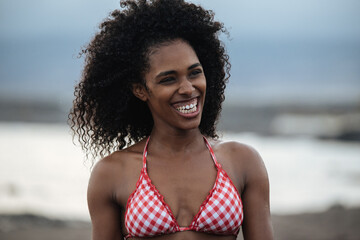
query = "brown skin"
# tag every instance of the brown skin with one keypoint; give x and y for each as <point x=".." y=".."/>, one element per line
<point x="178" y="162"/>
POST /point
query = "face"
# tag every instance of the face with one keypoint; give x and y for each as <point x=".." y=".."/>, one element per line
<point x="176" y="86"/>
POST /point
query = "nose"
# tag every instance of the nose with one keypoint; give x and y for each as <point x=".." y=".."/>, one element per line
<point x="186" y="87"/>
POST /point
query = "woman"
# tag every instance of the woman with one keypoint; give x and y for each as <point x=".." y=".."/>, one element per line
<point x="151" y="93"/>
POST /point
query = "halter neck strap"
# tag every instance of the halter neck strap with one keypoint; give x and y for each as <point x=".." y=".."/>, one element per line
<point x="211" y="152"/>
<point x="145" y="152"/>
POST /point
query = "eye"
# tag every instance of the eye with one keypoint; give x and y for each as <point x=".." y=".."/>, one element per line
<point x="167" y="80"/>
<point x="195" y="72"/>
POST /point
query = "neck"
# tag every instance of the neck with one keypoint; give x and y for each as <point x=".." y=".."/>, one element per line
<point x="176" y="142"/>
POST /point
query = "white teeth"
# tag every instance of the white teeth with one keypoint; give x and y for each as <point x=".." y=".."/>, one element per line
<point x="187" y="111"/>
<point x="188" y="108"/>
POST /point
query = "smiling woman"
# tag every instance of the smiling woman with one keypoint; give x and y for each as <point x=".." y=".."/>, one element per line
<point x="175" y="86"/>
<point x="149" y="99"/>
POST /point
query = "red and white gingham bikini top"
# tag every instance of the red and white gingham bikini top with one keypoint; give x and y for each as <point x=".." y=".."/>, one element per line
<point x="148" y="215"/>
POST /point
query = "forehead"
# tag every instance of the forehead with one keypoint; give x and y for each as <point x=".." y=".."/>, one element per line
<point x="174" y="55"/>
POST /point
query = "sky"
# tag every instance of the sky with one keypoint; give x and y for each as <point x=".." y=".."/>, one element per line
<point x="276" y="47"/>
<point x="277" y="18"/>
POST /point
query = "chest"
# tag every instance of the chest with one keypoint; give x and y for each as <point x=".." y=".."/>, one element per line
<point x="182" y="193"/>
<point x="184" y="183"/>
<point x="220" y="209"/>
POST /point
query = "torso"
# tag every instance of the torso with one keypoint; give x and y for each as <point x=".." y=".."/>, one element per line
<point x="195" y="171"/>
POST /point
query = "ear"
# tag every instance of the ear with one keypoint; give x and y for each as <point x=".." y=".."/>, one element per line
<point x="139" y="91"/>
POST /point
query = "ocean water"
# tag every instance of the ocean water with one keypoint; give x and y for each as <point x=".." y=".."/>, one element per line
<point x="43" y="172"/>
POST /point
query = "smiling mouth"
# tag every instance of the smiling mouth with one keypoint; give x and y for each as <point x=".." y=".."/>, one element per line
<point x="187" y="107"/>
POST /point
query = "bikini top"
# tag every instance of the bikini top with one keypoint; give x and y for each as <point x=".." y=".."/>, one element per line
<point x="148" y="215"/>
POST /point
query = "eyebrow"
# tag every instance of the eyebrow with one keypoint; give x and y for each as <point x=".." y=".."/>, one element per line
<point x="194" y="66"/>
<point x="165" y="73"/>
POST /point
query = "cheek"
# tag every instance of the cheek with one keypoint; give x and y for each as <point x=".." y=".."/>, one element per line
<point x="159" y="97"/>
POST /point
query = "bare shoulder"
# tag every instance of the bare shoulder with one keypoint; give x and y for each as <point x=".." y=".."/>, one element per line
<point x="104" y="168"/>
<point x="119" y="160"/>
<point x="113" y="171"/>
<point x="241" y="158"/>
<point x="237" y="152"/>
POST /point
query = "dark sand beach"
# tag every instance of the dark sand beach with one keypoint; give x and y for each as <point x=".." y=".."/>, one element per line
<point x="335" y="223"/>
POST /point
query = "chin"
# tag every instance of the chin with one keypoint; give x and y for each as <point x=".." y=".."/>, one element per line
<point x="191" y="125"/>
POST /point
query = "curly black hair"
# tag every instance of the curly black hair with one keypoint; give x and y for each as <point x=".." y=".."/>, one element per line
<point x="103" y="114"/>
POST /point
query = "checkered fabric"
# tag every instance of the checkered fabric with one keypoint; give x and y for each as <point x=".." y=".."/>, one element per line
<point x="148" y="215"/>
<point x="222" y="213"/>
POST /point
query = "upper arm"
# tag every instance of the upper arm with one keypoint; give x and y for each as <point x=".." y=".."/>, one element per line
<point x="104" y="211"/>
<point x="255" y="198"/>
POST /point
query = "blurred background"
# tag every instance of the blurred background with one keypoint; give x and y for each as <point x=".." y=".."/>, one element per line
<point x="294" y="95"/>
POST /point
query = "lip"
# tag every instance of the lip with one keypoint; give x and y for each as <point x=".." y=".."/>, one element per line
<point x="188" y="115"/>
<point x="174" y="104"/>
